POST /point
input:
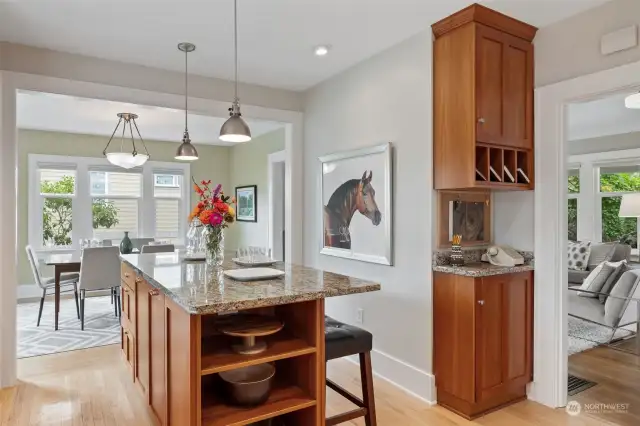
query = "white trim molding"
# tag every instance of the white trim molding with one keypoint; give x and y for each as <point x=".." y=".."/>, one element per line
<point x="550" y="309"/>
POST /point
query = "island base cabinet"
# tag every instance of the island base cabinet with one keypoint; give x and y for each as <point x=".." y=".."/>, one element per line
<point x="482" y="340"/>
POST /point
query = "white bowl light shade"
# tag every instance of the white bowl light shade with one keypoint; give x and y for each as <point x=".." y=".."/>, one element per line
<point x="632" y="101"/>
<point x="126" y="160"/>
<point x="235" y="129"/>
<point x="630" y="205"/>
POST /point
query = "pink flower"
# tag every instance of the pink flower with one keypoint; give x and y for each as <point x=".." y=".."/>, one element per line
<point x="216" y="219"/>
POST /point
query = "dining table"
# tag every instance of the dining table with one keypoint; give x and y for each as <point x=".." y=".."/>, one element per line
<point x="62" y="262"/>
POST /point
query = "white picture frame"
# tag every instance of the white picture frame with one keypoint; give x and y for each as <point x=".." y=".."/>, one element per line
<point x="357" y="182"/>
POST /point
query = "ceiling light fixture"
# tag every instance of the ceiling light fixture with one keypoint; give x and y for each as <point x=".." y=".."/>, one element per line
<point x="186" y="151"/>
<point x="321" y="50"/>
<point x="632" y="101"/>
<point x="126" y="160"/>
<point x="235" y="129"/>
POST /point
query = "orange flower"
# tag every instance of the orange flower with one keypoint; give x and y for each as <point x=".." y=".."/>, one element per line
<point x="205" y="216"/>
<point x="221" y="207"/>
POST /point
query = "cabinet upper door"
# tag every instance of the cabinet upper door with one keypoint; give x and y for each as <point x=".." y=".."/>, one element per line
<point x="489" y="84"/>
<point x="518" y="93"/>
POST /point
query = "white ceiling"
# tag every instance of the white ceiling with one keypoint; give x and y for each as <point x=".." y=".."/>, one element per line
<point x="276" y="37"/>
<point x="602" y="117"/>
<point x="60" y="113"/>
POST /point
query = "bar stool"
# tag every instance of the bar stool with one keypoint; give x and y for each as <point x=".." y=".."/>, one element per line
<point x="344" y="340"/>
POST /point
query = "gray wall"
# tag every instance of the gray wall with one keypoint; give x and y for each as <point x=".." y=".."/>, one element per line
<point x="571" y="48"/>
<point x="605" y="143"/>
<point x="385" y="98"/>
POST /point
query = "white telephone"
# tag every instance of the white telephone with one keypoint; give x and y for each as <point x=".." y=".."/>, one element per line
<point x="502" y="256"/>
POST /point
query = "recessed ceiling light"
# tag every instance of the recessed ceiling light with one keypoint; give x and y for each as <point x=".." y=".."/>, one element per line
<point x="321" y="50"/>
<point x="632" y="101"/>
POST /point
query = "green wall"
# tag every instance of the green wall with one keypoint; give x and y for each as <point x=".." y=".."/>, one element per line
<point x="213" y="164"/>
<point x="249" y="166"/>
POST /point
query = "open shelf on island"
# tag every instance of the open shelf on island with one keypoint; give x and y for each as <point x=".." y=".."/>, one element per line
<point x="218" y="356"/>
<point x="283" y="399"/>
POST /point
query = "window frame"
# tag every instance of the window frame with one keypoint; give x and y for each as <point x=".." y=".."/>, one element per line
<point x="174" y="184"/>
<point x="82" y="216"/>
<point x="40" y="198"/>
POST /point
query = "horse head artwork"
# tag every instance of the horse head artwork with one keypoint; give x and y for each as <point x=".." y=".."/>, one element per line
<point x="353" y="195"/>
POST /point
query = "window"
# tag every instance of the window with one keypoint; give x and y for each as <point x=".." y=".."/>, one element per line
<point x="168" y="206"/>
<point x="573" y="189"/>
<point x="167" y="180"/>
<point x="82" y="198"/>
<point x="614" y="181"/>
<point x="57" y="191"/>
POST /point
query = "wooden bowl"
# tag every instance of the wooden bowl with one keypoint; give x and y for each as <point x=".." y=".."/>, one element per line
<point x="249" y="386"/>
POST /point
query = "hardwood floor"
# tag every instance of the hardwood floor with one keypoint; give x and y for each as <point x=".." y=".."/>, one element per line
<point x="617" y="375"/>
<point x="92" y="387"/>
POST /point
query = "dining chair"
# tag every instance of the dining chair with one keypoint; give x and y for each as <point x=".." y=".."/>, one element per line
<point x="100" y="270"/>
<point x="138" y="243"/>
<point x="68" y="282"/>
<point x="158" y="248"/>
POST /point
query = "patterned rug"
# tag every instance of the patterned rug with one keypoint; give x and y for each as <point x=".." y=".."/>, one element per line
<point x="585" y="335"/>
<point x="101" y="327"/>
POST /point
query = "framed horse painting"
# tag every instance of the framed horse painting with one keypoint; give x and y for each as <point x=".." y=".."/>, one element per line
<point x="356" y="192"/>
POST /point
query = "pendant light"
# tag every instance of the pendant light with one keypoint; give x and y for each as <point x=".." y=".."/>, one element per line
<point x="186" y="151"/>
<point x="235" y="129"/>
<point x="632" y="101"/>
<point x="126" y="160"/>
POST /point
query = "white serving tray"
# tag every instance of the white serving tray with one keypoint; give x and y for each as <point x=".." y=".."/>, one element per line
<point x="253" y="274"/>
<point x="192" y="257"/>
<point x="258" y="262"/>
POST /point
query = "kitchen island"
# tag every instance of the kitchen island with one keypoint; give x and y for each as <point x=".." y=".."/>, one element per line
<point x="171" y="341"/>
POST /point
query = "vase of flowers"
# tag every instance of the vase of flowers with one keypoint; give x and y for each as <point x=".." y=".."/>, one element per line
<point x="215" y="211"/>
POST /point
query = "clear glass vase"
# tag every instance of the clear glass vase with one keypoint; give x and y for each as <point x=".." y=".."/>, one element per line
<point x="214" y="245"/>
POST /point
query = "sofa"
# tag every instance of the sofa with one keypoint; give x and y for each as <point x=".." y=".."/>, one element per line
<point x="612" y="252"/>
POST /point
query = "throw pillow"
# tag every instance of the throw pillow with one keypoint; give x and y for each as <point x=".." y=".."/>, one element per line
<point x="614" y="308"/>
<point x="621" y="268"/>
<point x="596" y="280"/>
<point x="578" y="255"/>
<point x="599" y="253"/>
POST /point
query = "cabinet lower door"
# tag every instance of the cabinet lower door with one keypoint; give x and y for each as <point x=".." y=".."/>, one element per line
<point x="503" y="334"/>
<point x="157" y="358"/>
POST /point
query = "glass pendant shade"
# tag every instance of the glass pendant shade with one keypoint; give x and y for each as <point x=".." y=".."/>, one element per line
<point x="122" y="158"/>
<point x="126" y="160"/>
<point x="632" y="101"/>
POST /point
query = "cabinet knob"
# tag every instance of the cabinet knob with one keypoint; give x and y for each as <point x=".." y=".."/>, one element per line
<point x="138" y="280"/>
<point x="154" y="292"/>
<point x="481" y="302"/>
<point x="126" y="275"/>
<point x="126" y="290"/>
<point x="481" y="120"/>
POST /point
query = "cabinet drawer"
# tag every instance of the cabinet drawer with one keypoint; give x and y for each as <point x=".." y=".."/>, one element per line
<point x="127" y="274"/>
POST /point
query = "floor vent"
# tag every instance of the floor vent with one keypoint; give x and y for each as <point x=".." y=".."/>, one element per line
<point x="577" y="385"/>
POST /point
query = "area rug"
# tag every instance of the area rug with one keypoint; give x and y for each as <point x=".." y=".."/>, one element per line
<point x="101" y="327"/>
<point x="585" y="335"/>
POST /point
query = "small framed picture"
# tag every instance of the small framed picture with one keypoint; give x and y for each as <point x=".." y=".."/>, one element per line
<point x="247" y="203"/>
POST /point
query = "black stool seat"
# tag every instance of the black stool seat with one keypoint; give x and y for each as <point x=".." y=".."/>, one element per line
<point x="344" y="340"/>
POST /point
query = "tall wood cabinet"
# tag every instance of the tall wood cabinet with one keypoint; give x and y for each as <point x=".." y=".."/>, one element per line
<point x="482" y="340"/>
<point x="483" y="101"/>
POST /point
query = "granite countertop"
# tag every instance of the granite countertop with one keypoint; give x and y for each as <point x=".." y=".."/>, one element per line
<point x="482" y="269"/>
<point x="203" y="290"/>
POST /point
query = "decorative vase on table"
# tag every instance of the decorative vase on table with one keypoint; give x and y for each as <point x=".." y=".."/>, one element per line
<point x="215" y="211"/>
<point x="126" y="246"/>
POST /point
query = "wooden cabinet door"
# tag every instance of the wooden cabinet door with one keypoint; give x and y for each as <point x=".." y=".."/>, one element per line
<point x="503" y="333"/>
<point x="157" y="359"/>
<point x="489" y="84"/>
<point x="518" y="93"/>
<point x="142" y="325"/>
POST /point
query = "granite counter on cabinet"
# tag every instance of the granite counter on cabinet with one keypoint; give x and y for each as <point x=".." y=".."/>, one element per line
<point x="203" y="290"/>
<point x="482" y="269"/>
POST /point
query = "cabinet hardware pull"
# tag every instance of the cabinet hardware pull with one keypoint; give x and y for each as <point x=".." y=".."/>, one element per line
<point x="126" y="275"/>
<point x="481" y="302"/>
<point x="138" y="280"/>
<point x="126" y="332"/>
<point x="154" y="292"/>
<point x="481" y="120"/>
<point x="126" y="290"/>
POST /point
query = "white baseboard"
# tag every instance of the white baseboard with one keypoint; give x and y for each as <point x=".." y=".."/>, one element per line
<point x="412" y="380"/>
